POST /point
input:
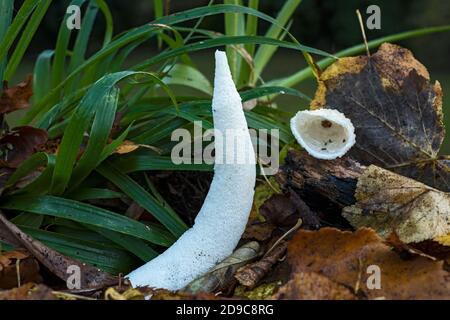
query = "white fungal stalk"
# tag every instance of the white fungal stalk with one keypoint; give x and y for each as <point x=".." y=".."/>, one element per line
<point x="222" y="219"/>
<point x="323" y="133"/>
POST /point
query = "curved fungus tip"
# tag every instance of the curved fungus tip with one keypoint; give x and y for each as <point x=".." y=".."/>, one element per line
<point x="324" y="133"/>
<point x="222" y="219"/>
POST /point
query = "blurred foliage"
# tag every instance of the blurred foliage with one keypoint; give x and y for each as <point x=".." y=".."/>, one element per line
<point x="327" y="24"/>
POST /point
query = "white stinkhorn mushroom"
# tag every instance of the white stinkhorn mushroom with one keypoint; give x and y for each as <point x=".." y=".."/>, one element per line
<point x="222" y="219"/>
<point x="323" y="133"/>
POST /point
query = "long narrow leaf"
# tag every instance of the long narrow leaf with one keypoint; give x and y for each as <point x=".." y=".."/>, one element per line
<point x="109" y="259"/>
<point x="128" y="186"/>
<point x="62" y="44"/>
<point x="87" y="214"/>
<point x="98" y="138"/>
<point x="136" y="246"/>
<point x="306" y="73"/>
<point x="132" y="163"/>
<point x="25" y="39"/>
<point x="6" y="13"/>
<point x="42" y="75"/>
<point x="234" y="26"/>
<point x="78" y="124"/>
<point x="212" y="43"/>
<point x="264" y="53"/>
<point x="137" y="35"/>
<point x="14" y="29"/>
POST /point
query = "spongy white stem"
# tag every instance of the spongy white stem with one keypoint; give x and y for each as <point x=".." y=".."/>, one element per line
<point x="323" y="133"/>
<point x="222" y="219"/>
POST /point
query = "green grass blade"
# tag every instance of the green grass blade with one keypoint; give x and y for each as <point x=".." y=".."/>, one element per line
<point x="268" y="91"/>
<point x="107" y="258"/>
<point x="83" y="194"/>
<point x="86" y="214"/>
<point x="14" y="28"/>
<point x="26" y="37"/>
<point x="265" y="53"/>
<point x="234" y="24"/>
<point x="251" y="29"/>
<point x="110" y="148"/>
<point x="121" y="57"/>
<point x="81" y="43"/>
<point x="158" y="132"/>
<point x="41" y="184"/>
<point x="307" y="73"/>
<point x="158" y="7"/>
<point x="42" y="75"/>
<point x="131" y="188"/>
<point x="45" y="120"/>
<point x="138" y="162"/>
<point x="252" y="26"/>
<point x="6" y="13"/>
<point x="27" y="219"/>
<point x="109" y="28"/>
<point x="137" y="35"/>
<point x="136" y="246"/>
<point x="157" y="195"/>
<point x="31" y="164"/>
<point x="62" y="44"/>
<point x="212" y="43"/>
<point x="185" y="75"/>
<point x="78" y="124"/>
<point x="98" y="138"/>
<point x="79" y="231"/>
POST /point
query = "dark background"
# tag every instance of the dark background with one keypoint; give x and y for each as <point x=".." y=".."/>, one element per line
<point x="330" y="25"/>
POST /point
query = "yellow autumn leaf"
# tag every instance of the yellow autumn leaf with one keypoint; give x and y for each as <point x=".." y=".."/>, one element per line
<point x="126" y="147"/>
<point x="443" y="240"/>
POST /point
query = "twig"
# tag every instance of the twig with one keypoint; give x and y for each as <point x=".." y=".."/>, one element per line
<point x="297" y="225"/>
<point x="18" y="272"/>
<point x="361" y="24"/>
<point x="64" y="295"/>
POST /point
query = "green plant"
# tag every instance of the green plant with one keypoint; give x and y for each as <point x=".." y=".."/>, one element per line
<point x="76" y="95"/>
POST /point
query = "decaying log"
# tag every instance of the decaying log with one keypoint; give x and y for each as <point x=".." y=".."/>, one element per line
<point x="325" y="185"/>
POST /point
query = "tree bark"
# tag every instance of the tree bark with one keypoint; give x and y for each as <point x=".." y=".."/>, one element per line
<point x="325" y="185"/>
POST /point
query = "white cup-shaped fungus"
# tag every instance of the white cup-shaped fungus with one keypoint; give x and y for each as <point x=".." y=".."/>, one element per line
<point x="324" y="133"/>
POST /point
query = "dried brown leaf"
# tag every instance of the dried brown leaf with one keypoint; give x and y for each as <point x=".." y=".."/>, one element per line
<point x="258" y="231"/>
<point x="401" y="247"/>
<point x="251" y="274"/>
<point x="126" y="147"/>
<point x="279" y="211"/>
<point x="16" y="98"/>
<point x="29" y="291"/>
<point x="18" y="261"/>
<point x="396" y="111"/>
<point x="284" y="211"/>
<point x="20" y="143"/>
<point x="57" y="263"/>
<point x="389" y="202"/>
<point x="162" y="294"/>
<point x="313" y="286"/>
<point x="344" y="257"/>
<point x="221" y="275"/>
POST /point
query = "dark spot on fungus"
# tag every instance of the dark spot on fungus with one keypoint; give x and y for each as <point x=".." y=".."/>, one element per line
<point x="326" y="124"/>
